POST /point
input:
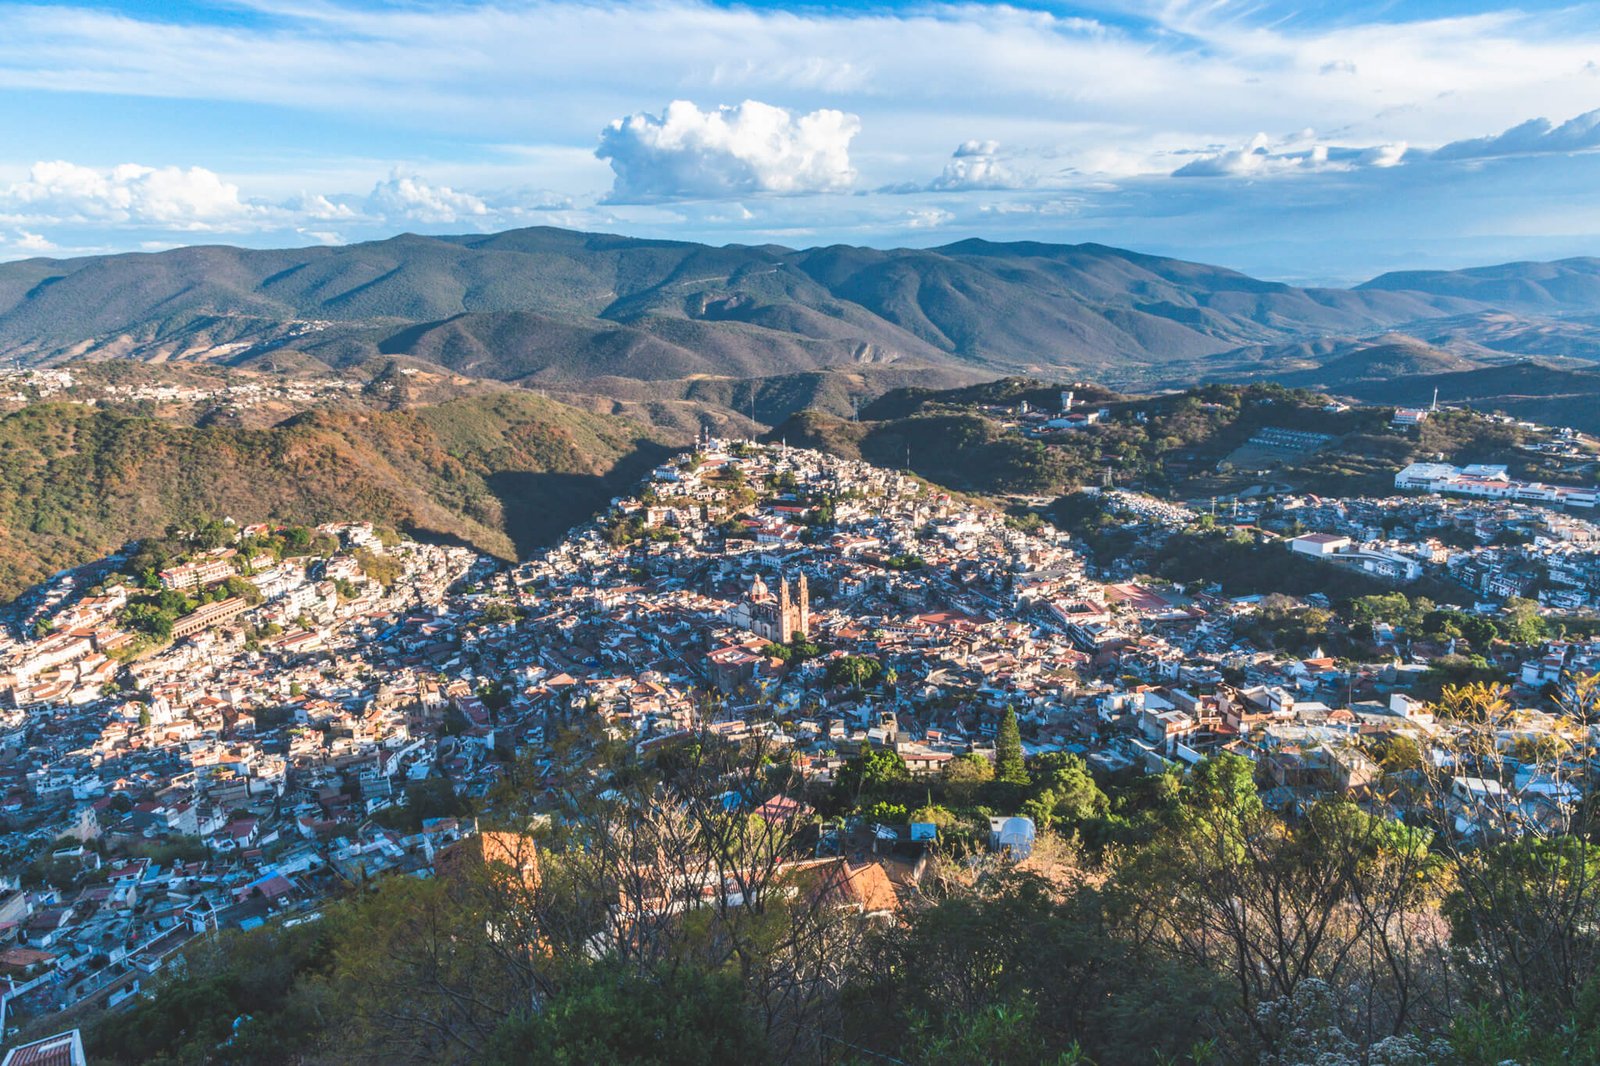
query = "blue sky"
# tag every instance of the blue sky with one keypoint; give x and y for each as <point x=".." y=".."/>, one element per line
<point x="1310" y="143"/>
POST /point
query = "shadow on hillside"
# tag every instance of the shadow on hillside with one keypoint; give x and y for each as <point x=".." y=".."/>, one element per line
<point x="540" y="508"/>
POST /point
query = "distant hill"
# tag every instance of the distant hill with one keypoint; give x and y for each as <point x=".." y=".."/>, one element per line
<point x="1498" y="333"/>
<point x="1390" y="357"/>
<point x="503" y="472"/>
<point x="1193" y="443"/>
<point x="1561" y="287"/>
<point x="1530" y="390"/>
<point x="559" y="308"/>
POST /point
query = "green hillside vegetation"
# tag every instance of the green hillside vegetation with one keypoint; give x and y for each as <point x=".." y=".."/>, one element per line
<point x="504" y="472"/>
<point x="1171" y="918"/>
<point x="1183" y="443"/>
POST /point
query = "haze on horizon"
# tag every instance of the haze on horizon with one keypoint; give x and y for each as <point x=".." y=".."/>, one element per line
<point x="1322" y="144"/>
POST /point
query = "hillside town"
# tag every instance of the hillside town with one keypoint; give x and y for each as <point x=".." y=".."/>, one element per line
<point x="323" y="708"/>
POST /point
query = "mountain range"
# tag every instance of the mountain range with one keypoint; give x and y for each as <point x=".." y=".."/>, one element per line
<point x="496" y="389"/>
<point x="560" y="309"/>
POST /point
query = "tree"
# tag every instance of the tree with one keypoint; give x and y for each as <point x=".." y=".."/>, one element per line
<point x="1475" y="702"/>
<point x="1522" y="623"/>
<point x="855" y="671"/>
<point x="498" y="612"/>
<point x="1012" y="969"/>
<point x="964" y="776"/>
<point x="384" y="569"/>
<point x="869" y="777"/>
<point x="608" y="1014"/>
<point x="1008" y="761"/>
<point x="1067" y="793"/>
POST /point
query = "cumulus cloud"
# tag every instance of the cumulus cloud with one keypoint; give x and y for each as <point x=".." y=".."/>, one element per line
<point x="186" y="199"/>
<point x="1252" y="158"/>
<point x="752" y="148"/>
<point x="405" y="196"/>
<point x="976" y="165"/>
<point x="973" y="166"/>
<point x="1536" y="136"/>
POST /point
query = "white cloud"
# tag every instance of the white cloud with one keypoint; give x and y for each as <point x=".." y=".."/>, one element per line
<point x="1533" y="137"/>
<point x="407" y="197"/>
<point x="976" y="165"/>
<point x="32" y="242"/>
<point x="319" y="208"/>
<point x="928" y="218"/>
<point x="509" y="96"/>
<point x="1300" y="153"/>
<point x="184" y="199"/>
<point x="686" y="153"/>
<point x="1253" y="158"/>
<point x="1383" y="155"/>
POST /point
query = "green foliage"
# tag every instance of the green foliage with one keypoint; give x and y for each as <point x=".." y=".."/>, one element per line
<point x="854" y="671"/>
<point x="258" y="976"/>
<point x="1008" y="762"/>
<point x="797" y="651"/>
<point x="1491" y="1033"/>
<point x="887" y="813"/>
<point x="498" y="612"/>
<point x="1244" y="567"/>
<point x="432" y="797"/>
<point x="1002" y="1034"/>
<point x="384" y="569"/>
<point x="1521" y="622"/>
<point x="606" y="1014"/>
<point x="1023" y="974"/>
<point x="964" y="777"/>
<point x="1222" y="784"/>
<point x="869" y="777"/>
<point x="1065" y="793"/>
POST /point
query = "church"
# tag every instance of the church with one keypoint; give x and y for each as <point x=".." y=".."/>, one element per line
<point x="778" y="618"/>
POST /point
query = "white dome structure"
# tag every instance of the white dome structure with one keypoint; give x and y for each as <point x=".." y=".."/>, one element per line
<point x="1013" y="837"/>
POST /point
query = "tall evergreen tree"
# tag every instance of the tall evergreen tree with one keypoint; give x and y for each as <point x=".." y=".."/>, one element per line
<point x="1008" y="751"/>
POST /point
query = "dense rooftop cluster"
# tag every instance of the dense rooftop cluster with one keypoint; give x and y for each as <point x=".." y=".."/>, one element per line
<point x="275" y="715"/>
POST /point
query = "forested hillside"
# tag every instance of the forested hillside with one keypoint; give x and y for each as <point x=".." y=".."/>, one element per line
<point x="502" y="472"/>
